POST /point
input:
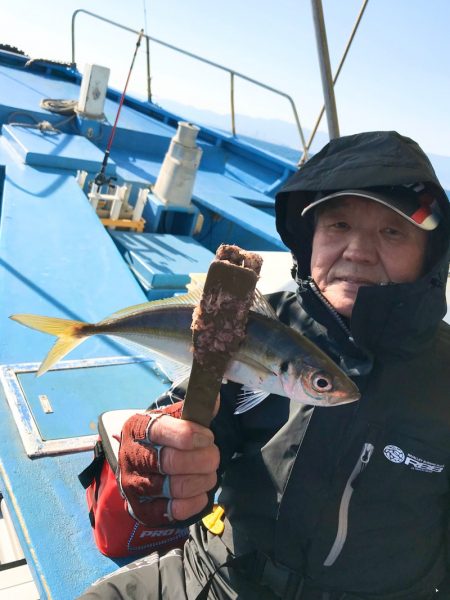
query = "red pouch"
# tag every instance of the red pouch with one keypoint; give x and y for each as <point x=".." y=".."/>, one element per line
<point x="116" y="533"/>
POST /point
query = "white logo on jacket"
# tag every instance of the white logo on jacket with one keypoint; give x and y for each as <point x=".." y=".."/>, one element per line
<point x="396" y="455"/>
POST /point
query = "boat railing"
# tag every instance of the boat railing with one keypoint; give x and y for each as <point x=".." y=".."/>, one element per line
<point x="232" y="73"/>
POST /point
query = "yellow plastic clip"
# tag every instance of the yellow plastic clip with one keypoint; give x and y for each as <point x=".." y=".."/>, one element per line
<point x="213" y="522"/>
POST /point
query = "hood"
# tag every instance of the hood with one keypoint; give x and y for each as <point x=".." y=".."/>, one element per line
<point x="361" y="161"/>
<point x="364" y="161"/>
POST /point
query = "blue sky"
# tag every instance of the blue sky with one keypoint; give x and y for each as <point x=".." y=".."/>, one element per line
<point x="397" y="74"/>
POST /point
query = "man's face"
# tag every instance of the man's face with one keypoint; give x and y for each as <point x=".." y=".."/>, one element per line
<point x="361" y="242"/>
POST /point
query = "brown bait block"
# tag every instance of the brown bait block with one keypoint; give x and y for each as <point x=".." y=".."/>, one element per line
<point x="218" y="326"/>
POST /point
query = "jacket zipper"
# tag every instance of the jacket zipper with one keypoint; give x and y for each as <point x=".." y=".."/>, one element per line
<point x="330" y="307"/>
<point x="341" y="536"/>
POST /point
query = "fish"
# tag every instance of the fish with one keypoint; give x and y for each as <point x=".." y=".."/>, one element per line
<point x="272" y="358"/>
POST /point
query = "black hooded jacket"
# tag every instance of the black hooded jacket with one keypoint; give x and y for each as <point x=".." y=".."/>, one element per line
<point x="353" y="498"/>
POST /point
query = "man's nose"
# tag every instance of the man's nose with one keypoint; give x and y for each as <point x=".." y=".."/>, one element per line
<point x="361" y="247"/>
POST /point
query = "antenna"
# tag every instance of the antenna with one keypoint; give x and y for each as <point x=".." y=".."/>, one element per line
<point x="100" y="178"/>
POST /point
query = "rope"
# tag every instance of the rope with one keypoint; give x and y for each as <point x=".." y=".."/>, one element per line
<point x="44" y="126"/>
<point x="61" y="107"/>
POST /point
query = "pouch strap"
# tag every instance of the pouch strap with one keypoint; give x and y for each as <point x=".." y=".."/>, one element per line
<point x="93" y="470"/>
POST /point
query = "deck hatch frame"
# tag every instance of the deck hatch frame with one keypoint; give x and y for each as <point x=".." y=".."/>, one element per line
<point x="35" y="446"/>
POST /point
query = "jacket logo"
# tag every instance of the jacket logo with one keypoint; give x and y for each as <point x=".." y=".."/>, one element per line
<point x="396" y="455"/>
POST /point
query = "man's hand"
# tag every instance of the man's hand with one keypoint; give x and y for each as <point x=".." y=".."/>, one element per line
<point x="166" y="466"/>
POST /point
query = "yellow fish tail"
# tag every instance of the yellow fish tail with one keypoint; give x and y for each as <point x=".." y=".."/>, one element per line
<point x="69" y="333"/>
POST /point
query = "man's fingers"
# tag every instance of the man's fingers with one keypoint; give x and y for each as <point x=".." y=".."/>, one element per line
<point x="188" y="486"/>
<point x="184" y="509"/>
<point x="176" y="433"/>
<point x="143" y="460"/>
<point x="181" y="434"/>
<point x="166" y="466"/>
<point x="177" y="486"/>
<point x="190" y="462"/>
<point x="156" y="512"/>
<point x="140" y="487"/>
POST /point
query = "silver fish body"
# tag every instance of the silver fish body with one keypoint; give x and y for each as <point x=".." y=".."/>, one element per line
<point x="273" y="358"/>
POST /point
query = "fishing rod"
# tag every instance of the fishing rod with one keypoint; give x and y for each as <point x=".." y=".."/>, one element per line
<point x="100" y="178"/>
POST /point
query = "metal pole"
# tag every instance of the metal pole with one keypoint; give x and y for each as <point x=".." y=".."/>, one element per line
<point x="341" y="64"/>
<point x="233" y="116"/>
<point x="325" y="69"/>
<point x="147" y="44"/>
<point x="149" y="79"/>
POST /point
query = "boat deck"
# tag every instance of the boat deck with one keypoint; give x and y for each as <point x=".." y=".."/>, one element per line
<point x="231" y="180"/>
<point x="57" y="259"/>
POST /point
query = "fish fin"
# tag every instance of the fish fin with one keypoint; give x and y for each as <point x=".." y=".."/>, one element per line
<point x="249" y="398"/>
<point x="69" y="334"/>
<point x="261" y="306"/>
<point x="174" y="371"/>
<point x="181" y="377"/>
<point x="61" y="347"/>
<point x="190" y="299"/>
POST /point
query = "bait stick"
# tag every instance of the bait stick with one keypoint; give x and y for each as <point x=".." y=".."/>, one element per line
<point x="218" y="326"/>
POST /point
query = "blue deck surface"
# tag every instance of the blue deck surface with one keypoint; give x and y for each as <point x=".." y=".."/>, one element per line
<point x="228" y="170"/>
<point x="57" y="259"/>
<point x="163" y="260"/>
<point x="50" y="509"/>
<point x="56" y="150"/>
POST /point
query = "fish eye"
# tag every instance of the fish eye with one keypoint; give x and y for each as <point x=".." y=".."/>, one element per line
<point x="321" y="383"/>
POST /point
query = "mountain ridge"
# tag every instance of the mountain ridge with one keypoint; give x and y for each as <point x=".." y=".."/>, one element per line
<point x="277" y="136"/>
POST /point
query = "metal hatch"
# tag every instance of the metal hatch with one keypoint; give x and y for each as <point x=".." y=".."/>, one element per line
<point x="58" y="413"/>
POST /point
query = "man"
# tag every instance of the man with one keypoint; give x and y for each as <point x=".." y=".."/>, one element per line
<point x="349" y="502"/>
